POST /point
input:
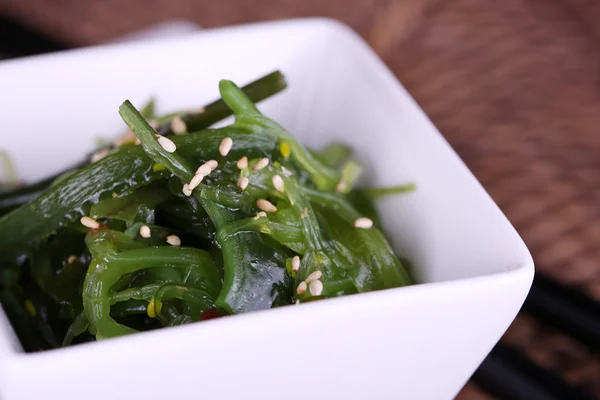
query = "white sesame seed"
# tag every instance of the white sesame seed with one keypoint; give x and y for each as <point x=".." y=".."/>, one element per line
<point x="213" y="164"/>
<point x="99" y="155"/>
<point x="266" y="205"/>
<point x="243" y="183"/>
<point x="186" y="190"/>
<point x="196" y="180"/>
<point x="278" y="183"/>
<point x="145" y="231"/>
<point x="71" y="259"/>
<point x="242" y="163"/>
<point x="89" y="223"/>
<point x="341" y="186"/>
<point x="313" y="276"/>
<point x="263" y="162"/>
<point x="225" y="146"/>
<point x="115" y="195"/>
<point x="204" y="170"/>
<point x="295" y="263"/>
<point x="173" y="240"/>
<point x="304" y="213"/>
<point x="167" y="144"/>
<point x="178" y="125"/>
<point x="315" y="287"/>
<point x="363" y="223"/>
<point x="301" y="289"/>
<point x="259" y="215"/>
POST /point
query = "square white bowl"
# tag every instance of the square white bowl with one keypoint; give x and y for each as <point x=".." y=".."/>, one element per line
<point x="419" y="342"/>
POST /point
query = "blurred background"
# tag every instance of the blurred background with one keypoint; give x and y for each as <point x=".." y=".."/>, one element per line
<point x="514" y="86"/>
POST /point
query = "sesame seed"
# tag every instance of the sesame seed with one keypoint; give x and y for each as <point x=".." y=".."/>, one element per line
<point x="316" y="275"/>
<point x="225" y="146"/>
<point x="99" y="155"/>
<point x="301" y="289"/>
<point x="196" y="180"/>
<point x="243" y="183"/>
<point x="178" y="125"/>
<point x="363" y="223"/>
<point x="114" y="195"/>
<point x="263" y="162"/>
<point x="341" y="186"/>
<point x="204" y="169"/>
<point x="295" y="263"/>
<point x="174" y="240"/>
<point x="145" y="231"/>
<point x="266" y="205"/>
<point x="259" y="215"/>
<point x="213" y="164"/>
<point x="315" y="287"/>
<point x="186" y="190"/>
<point x="167" y="144"/>
<point x="304" y="213"/>
<point x="89" y="223"/>
<point x="242" y="163"/>
<point x="71" y="259"/>
<point x="278" y="183"/>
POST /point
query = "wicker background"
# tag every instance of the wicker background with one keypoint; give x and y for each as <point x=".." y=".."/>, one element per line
<point x="514" y="85"/>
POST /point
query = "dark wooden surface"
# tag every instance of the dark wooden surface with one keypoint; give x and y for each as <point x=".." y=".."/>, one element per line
<point x="514" y="85"/>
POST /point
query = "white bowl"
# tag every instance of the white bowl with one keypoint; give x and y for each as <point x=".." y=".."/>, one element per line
<point x="419" y="342"/>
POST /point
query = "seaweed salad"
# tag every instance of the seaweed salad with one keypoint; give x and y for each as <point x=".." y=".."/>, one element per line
<point x="176" y="222"/>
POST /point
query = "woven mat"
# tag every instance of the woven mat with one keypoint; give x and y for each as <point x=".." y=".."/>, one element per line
<point x="514" y="85"/>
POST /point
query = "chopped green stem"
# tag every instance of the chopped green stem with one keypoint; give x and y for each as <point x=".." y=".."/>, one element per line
<point x="375" y="193"/>
<point x="149" y="109"/>
<point x="335" y="201"/>
<point x="289" y="236"/>
<point x="214" y="112"/>
<point x="78" y="327"/>
<point x="335" y="154"/>
<point x="303" y="209"/>
<point x="135" y="293"/>
<point x="351" y="172"/>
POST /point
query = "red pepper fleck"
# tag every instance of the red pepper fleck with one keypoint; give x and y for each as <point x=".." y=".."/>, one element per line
<point x="211" y="314"/>
<point x="102" y="226"/>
